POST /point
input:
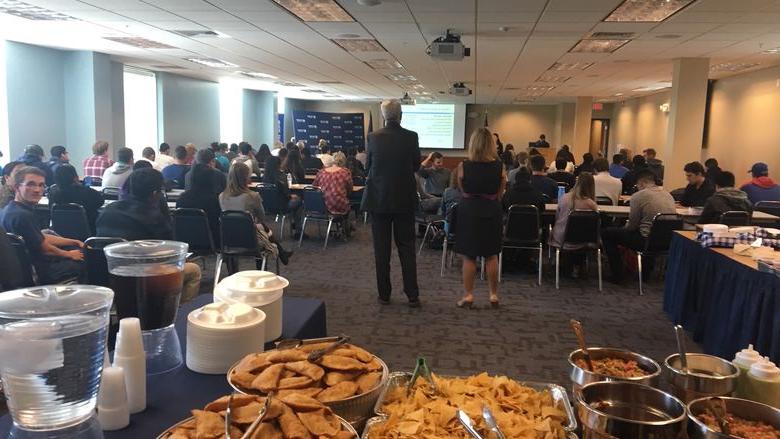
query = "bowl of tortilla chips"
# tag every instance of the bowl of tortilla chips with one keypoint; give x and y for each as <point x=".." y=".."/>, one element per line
<point x="291" y="417"/>
<point x="348" y="380"/>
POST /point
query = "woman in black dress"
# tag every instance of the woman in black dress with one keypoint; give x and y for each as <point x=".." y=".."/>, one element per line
<point x="479" y="222"/>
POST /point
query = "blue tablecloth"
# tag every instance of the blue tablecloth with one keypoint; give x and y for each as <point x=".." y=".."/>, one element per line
<point x="725" y="304"/>
<point x="171" y="396"/>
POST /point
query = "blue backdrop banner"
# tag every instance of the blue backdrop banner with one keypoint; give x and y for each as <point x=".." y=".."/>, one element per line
<point x="341" y="130"/>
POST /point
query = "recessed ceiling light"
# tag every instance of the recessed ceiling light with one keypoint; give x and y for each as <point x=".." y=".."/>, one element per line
<point x="288" y="84"/>
<point x="732" y="67"/>
<point x="32" y="12"/>
<point x="369" y="2"/>
<point x="618" y="94"/>
<point x="561" y="66"/>
<point x="654" y="87"/>
<point x="313" y="90"/>
<point x="142" y="43"/>
<point x="348" y="36"/>
<point x="401" y="77"/>
<point x="384" y="64"/>
<point x="647" y="10"/>
<point x="196" y="33"/>
<point x="546" y="77"/>
<point x="668" y="36"/>
<point x="611" y="35"/>
<point x="257" y="75"/>
<point x="773" y="51"/>
<point x="212" y="62"/>
<point x="359" y="45"/>
<point x="316" y="10"/>
<point x="598" y="46"/>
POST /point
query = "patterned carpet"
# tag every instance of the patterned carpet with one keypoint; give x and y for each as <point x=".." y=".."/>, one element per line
<point x="528" y="338"/>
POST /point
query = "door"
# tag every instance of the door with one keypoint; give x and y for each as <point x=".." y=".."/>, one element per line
<point x="599" y="136"/>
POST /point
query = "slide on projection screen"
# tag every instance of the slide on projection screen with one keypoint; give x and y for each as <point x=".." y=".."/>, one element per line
<point x="440" y="126"/>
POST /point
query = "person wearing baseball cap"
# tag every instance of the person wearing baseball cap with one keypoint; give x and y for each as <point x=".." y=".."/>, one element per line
<point x="59" y="156"/>
<point x="761" y="187"/>
<point x="33" y="156"/>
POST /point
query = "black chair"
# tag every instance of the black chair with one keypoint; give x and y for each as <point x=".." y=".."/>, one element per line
<point x="735" y="218"/>
<point x="449" y="234"/>
<point x="10" y="270"/>
<point x="111" y="193"/>
<point x="26" y="271"/>
<point x="522" y="231"/>
<point x="604" y="201"/>
<point x="192" y="226"/>
<point x="770" y="207"/>
<point x="678" y="194"/>
<point x="95" y="259"/>
<point x="92" y="181"/>
<point x="429" y="221"/>
<point x="311" y="171"/>
<point x="314" y="209"/>
<point x="356" y="197"/>
<point x="237" y="233"/>
<point x="583" y="228"/>
<point x="70" y="221"/>
<point x="659" y="239"/>
<point x="274" y="204"/>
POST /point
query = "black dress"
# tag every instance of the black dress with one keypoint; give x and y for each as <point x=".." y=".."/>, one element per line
<point x="480" y="217"/>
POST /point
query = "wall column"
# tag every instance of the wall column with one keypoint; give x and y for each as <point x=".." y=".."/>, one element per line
<point x="582" y="116"/>
<point x="686" y="119"/>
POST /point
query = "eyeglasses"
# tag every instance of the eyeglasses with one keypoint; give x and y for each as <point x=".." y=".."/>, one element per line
<point x="32" y="184"/>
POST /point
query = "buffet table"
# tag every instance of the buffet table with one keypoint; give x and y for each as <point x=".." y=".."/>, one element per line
<point x="170" y="396"/>
<point x="722" y="298"/>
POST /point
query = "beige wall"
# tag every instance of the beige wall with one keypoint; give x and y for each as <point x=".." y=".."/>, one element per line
<point x="639" y="123"/>
<point x="516" y="124"/>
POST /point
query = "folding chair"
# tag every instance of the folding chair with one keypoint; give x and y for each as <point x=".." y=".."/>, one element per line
<point x="659" y="239"/>
<point x="111" y="193"/>
<point x="424" y="219"/>
<point x="451" y="216"/>
<point x="522" y="231"/>
<point x="735" y="218"/>
<point x="604" y="201"/>
<point x="70" y="221"/>
<point x="95" y="259"/>
<point x="314" y="209"/>
<point x="583" y="228"/>
<point x="237" y="233"/>
<point x="26" y="271"/>
<point x="11" y="275"/>
<point x="192" y="226"/>
<point x="274" y="204"/>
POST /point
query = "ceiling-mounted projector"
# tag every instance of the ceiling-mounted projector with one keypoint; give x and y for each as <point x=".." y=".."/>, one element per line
<point x="407" y="100"/>
<point x="460" y="89"/>
<point x="448" y="48"/>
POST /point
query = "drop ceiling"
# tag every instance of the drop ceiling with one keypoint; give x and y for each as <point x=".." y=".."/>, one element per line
<point x="521" y="50"/>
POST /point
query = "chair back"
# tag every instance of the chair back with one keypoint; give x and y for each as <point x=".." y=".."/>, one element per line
<point x="314" y="201"/>
<point x="26" y="278"/>
<point x="111" y="193"/>
<point x="735" y="218"/>
<point x="678" y="194"/>
<point x="583" y="227"/>
<point x="450" y="221"/>
<point x="95" y="259"/>
<point x="70" y="221"/>
<point x="237" y="231"/>
<point x="604" y="201"/>
<point x="522" y="224"/>
<point x="272" y="200"/>
<point x="661" y="231"/>
<point x="192" y="226"/>
<point x="358" y="181"/>
<point x="770" y="207"/>
<point x="10" y="277"/>
<point x="92" y="181"/>
<point x="311" y="171"/>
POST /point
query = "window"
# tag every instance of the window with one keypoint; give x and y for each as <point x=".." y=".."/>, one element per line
<point x="140" y="110"/>
<point x="5" y="147"/>
<point x="231" y="112"/>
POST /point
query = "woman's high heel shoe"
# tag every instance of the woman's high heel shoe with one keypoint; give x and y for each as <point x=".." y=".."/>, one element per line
<point x="463" y="303"/>
<point x="494" y="302"/>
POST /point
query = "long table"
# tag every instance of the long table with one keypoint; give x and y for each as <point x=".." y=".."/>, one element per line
<point x="685" y="212"/>
<point x="171" y="396"/>
<point x="45" y="203"/>
<point x="722" y="298"/>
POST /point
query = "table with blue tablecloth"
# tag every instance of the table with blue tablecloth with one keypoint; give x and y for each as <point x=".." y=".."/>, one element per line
<point x="171" y="396"/>
<point x="722" y="298"/>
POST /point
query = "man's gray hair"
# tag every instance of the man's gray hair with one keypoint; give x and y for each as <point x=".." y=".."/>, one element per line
<point x="391" y="110"/>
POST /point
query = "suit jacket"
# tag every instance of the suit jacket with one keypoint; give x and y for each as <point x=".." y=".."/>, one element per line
<point x="393" y="158"/>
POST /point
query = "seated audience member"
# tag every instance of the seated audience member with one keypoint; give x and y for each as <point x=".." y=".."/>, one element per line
<point x="581" y="197"/>
<point x="533" y="152"/>
<point x="232" y="152"/>
<point x="726" y="198"/>
<point x="309" y="161"/>
<point x="354" y="165"/>
<point x="238" y="196"/>
<point x="274" y="175"/>
<point x="117" y="174"/>
<point x="95" y="166"/>
<point x="201" y="195"/>
<point x="205" y="160"/>
<point x="362" y="156"/>
<point x="8" y="191"/>
<point x="562" y="176"/>
<point x="586" y="166"/>
<point x="451" y="195"/>
<point x="68" y="189"/>
<point x="55" y="258"/>
<point x="263" y="152"/>
<point x="336" y="184"/>
<point x="148" y="155"/>
<point x="508" y="160"/>
<point x="761" y="187"/>
<point x="435" y="176"/>
<point x="511" y="149"/>
<point x="294" y="166"/>
<point x="712" y="169"/>
<point x="521" y="192"/>
<point x="606" y="185"/>
<point x="540" y="180"/>
<point x="283" y="153"/>
<point x="699" y="189"/>
<point x="220" y="157"/>
<point x="564" y="153"/>
<point x="191" y="151"/>
<point x="59" y="157"/>
<point x="144" y="215"/>
<point x="33" y="156"/>
<point x="428" y="203"/>
<point x="324" y="150"/>
<point x="616" y="169"/>
<point x="164" y="158"/>
<point x="124" y="191"/>
<point x="655" y="165"/>
<point x="646" y="203"/>
<point x="638" y="164"/>
<point x="521" y="161"/>
<point x="246" y="156"/>
<point x="177" y="172"/>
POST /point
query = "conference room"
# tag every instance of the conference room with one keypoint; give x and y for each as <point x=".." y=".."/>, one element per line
<point x="276" y="213"/>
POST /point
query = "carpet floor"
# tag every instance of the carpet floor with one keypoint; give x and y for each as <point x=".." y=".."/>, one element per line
<point x="528" y="338"/>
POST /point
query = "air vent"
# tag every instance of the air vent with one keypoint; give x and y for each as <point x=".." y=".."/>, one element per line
<point x="212" y="62"/>
<point x="313" y="90"/>
<point x="139" y="42"/>
<point x="612" y="35"/>
<point x="196" y="33"/>
<point x="329" y="82"/>
<point x="32" y="12"/>
<point x="288" y="84"/>
<point x="669" y="36"/>
<point x="164" y="67"/>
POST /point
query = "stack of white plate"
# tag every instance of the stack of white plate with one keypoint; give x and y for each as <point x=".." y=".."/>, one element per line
<point x="714" y="228"/>
<point x="220" y="334"/>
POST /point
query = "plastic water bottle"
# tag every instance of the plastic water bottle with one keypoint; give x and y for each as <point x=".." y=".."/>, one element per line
<point x="561" y="192"/>
<point x="289" y="179"/>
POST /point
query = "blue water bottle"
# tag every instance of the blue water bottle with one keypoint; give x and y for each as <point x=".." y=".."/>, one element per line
<point x="561" y="192"/>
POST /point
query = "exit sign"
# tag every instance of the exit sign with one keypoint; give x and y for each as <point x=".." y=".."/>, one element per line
<point x="598" y="106"/>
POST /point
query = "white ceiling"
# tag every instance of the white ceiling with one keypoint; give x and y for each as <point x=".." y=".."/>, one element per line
<point x="264" y="37"/>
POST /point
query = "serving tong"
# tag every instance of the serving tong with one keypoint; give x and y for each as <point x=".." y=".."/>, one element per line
<point x="316" y="355"/>
<point x="292" y="343"/>
<point x="718" y="408"/>
<point x="421" y="370"/>
<point x="253" y="426"/>
<point x="490" y="421"/>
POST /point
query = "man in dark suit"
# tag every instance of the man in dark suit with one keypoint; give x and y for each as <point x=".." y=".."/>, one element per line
<point x="391" y="197"/>
<point x="542" y="142"/>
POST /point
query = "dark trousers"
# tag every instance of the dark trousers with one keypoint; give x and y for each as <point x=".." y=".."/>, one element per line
<point x="384" y="227"/>
<point x="614" y="236"/>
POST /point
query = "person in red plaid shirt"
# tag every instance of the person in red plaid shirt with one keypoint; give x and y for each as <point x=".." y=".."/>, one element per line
<point x="336" y="183"/>
<point x="96" y="165"/>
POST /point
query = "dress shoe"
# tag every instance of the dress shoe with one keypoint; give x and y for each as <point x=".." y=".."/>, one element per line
<point x="284" y="256"/>
<point x="414" y="303"/>
<point x="383" y="301"/>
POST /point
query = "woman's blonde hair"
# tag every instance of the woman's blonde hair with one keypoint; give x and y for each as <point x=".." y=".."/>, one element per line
<point x="482" y="147"/>
<point x="585" y="188"/>
<point x="340" y="159"/>
<point x="237" y="179"/>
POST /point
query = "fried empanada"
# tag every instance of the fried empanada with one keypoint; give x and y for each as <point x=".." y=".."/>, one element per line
<point x="333" y="378"/>
<point x="268" y="380"/>
<point x="374" y="365"/>
<point x="306" y="369"/>
<point x="208" y="425"/>
<point x="246" y="414"/>
<point x="340" y="391"/>
<point x="287" y="356"/>
<point x="275" y="409"/>
<point x="295" y="383"/>
<point x="239" y="400"/>
<point x="368" y="381"/>
<point x="292" y="427"/>
<point x="355" y="352"/>
<point x="309" y="391"/>
<point x="337" y="362"/>
<point x="180" y="434"/>
<point x="343" y="434"/>
<point x="267" y="430"/>
<point x="253" y="363"/>
<point x="242" y="379"/>
<point x="317" y="422"/>
<point x="301" y="402"/>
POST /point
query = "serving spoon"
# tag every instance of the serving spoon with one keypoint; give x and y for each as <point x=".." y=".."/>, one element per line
<point x="577" y="327"/>
<point x="678" y="331"/>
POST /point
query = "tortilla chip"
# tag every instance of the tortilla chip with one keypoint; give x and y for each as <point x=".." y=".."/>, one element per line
<point x="246" y="414"/>
<point x="340" y="391"/>
<point x="343" y="434"/>
<point x="268" y="380"/>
